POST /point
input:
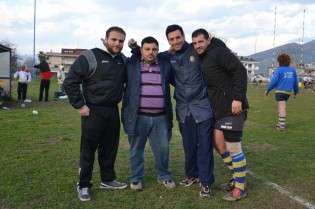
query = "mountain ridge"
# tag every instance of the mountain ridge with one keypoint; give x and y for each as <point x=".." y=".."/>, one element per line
<point x="266" y="58"/>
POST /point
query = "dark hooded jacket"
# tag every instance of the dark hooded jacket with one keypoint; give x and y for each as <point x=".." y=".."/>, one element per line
<point x="226" y="79"/>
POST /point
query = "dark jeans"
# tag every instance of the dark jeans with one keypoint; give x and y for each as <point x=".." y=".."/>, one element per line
<point x="44" y="85"/>
<point x="22" y="91"/>
<point x="100" y="131"/>
<point x="198" y="147"/>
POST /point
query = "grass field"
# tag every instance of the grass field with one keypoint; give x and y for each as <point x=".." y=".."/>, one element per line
<point x="39" y="159"/>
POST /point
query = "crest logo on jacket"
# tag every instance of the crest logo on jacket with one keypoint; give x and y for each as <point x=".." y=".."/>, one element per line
<point x="192" y="59"/>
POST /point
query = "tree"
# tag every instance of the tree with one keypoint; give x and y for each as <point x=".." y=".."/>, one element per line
<point x="15" y="57"/>
<point x="42" y="56"/>
<point x="28" y="62"/>
<point x="216" y="35"/>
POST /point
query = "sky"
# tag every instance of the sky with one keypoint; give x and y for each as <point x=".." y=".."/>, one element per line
<point x="246" y="26"/>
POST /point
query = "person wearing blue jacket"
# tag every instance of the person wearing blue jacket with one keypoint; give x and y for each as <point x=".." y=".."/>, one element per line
<point x="285" y="82"/>
<point x="147" y="111"/>
<point x="193" y="110"/>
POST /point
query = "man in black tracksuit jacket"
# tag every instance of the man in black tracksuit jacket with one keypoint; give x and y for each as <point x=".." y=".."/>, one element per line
<point x="100" y="73"/>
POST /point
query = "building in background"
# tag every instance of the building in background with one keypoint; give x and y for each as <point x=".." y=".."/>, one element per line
<point x="65" y="58"/>
<point x="250" y="65"/>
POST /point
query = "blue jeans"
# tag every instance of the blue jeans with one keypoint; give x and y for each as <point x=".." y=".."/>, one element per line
<point x="154" y="128"/>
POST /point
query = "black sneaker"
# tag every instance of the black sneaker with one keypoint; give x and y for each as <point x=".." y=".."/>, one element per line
<point x="113" y="185"/>
<point x="189" y="181"/>
<point x="83" y="194"/>
<point x="205" y="191"/>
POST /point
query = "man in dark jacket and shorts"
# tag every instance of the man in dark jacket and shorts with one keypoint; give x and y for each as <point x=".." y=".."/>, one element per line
<point x="226" y="80"/>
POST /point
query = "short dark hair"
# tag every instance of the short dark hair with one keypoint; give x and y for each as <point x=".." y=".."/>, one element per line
<point x="115" y="28"/>
<point x="200" y="31"/>
<point x="284" y="60"/>
<point x="149" y="40"/>
<point x="172" y="28"/>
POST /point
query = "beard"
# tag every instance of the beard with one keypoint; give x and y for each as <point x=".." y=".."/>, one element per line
<point x="111" y="50"/>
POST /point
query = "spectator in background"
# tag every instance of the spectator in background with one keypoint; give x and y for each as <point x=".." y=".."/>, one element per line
<point x="61" y="77"/>
<point x="45" y="75"/>
<point x="24" y="77"/>
<point x="305" y="80"/>
<point x="286" y="82"/>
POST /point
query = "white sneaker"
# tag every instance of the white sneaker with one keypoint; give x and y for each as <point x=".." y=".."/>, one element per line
<point x="136" y="186"/>
<point x="168" y="184"/>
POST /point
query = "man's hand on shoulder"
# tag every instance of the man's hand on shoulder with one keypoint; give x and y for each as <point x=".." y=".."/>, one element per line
<point x="171" y="50"/>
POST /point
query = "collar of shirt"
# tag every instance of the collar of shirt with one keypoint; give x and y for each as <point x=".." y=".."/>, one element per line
<point x="103" y="47"/>
<point x="155" y="62"/>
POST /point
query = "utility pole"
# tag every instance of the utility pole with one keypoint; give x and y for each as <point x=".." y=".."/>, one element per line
<point x="302" y="39"/>
<point x="33" y="71"/>
<point x="255" y="44"/>
<point x="274" y="41"/>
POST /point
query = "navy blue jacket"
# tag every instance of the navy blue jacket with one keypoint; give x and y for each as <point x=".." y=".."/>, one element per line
<point x="131" y="98"/>
<point x="190" y="90"/>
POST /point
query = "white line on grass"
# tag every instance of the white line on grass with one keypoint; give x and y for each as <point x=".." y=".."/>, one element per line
<point x="276" y="187"/>
<point x="284" y="192"/>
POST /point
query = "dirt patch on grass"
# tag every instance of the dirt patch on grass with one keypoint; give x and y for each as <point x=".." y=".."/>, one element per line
<point x="250" y="124"/>
<point x="257" y="146"/>
<point x="53" y="140"/>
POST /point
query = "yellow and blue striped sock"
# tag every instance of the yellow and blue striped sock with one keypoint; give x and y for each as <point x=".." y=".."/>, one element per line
<point x="239" y="166"/>
<point x="227" y="159"/>
<point x="282" y="121"/>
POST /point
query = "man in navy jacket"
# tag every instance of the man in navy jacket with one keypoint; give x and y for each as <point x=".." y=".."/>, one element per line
<point x="147" y="111"/>
<point x="193" y="110"/>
